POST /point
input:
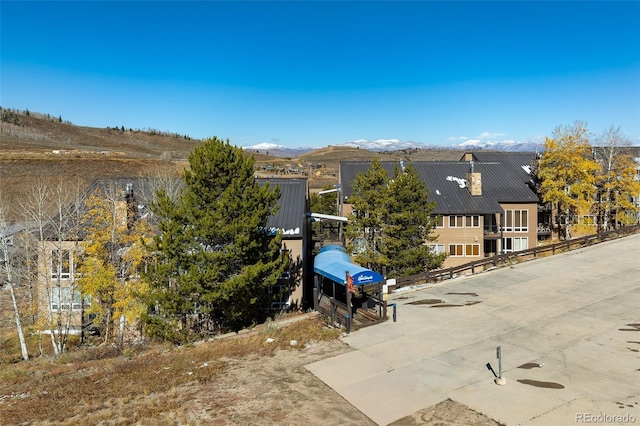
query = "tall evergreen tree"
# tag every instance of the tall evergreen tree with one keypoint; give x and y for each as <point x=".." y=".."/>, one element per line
<point x="391" y="222"/>
<point x="369" y="203"/>
<point x="216" y="257"/>
<point x="408" y="225"/>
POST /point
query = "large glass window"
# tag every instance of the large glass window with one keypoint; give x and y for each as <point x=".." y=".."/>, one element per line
<point x="520" y="221"/>
<point x="507" y="245"/>
<point x="61" y="264"/>
<point x="455" y="249"/>
<point x="472" y="221"/>
<point x="62" y="298"/>
<point x="516" y="221"/>
<point x="436" y="248"/>
<point x="472" y="250"/>
<point x="456" y="221"/>
<point x="508" y="220"/>
<point x="514" y="244"/>
<point x="520" y="243"/>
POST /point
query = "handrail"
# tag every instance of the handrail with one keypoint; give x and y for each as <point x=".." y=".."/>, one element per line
<point x="507" y="258"/>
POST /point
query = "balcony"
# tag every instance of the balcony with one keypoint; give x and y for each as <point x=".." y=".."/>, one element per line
<point x="544" y="229"/>
<point x="491" y="232"/>
<point x="546" y="207"/>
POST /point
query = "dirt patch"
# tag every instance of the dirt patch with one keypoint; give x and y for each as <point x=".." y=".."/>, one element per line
<point x="446" y="413"/>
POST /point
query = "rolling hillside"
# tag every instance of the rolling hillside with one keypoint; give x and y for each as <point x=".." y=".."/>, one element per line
<point x="37" y="146"/>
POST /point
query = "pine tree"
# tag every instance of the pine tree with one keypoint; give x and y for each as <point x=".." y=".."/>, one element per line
<point x="408" y="225"/>
<point x="216" y="257"/>
<point x="364" y="229"/>
<point x="392" y="216"/>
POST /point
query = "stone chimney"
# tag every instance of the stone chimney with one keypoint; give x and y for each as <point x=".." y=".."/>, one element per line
<point x="126" y="208"/>
<point x="474" y="181"/>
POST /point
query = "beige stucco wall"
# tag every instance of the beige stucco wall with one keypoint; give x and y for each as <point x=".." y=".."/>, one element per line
<point x="532" y="219"/>
<point x="46" y="284"/>
<point x="297" y="255"/>
<point x="447" y="236"/>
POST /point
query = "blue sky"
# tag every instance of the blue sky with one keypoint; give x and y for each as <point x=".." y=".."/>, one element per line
<point x="317" y="73"/>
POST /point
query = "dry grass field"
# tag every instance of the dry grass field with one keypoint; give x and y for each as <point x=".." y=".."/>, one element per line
<point x="239" y="380"/>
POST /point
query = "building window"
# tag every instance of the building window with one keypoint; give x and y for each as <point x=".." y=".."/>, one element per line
<point x="456" y="249"/>
<point x="61" y="264"/>
<point x="456" y="221"/>
<point x="61" y="299"/>
<point x="281" y="292"/>
<point x="439" y="221"/>
<point x="520" y="243"/>
<point x="472" y="250"/>
<point x="514" y="244"/>
<point x="516" y="221"/>
<point x="520" y="221"/>
<point x="436" y="248"/>
<point x="467" y="250"/>
<point x="472" y="221"/>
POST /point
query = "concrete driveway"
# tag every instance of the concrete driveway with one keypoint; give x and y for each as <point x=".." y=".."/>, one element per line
<point x="577" y="313"/>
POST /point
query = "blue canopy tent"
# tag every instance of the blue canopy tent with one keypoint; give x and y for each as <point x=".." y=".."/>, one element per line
<point x="332" y="262"/>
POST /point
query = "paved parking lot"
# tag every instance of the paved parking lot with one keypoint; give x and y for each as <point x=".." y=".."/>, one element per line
<point x="568" y="327"/>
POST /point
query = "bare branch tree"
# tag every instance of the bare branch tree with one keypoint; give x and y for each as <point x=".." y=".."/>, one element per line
<point x="616" y="180"/>
<point x="7" y="274"/>
<point x="53" y="213"/>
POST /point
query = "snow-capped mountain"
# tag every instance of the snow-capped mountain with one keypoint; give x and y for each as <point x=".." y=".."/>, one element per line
<point x="264" y="146"/>
<point x="384" y="144"/>
<point x="508" y="145"/>
<point x="389" y="145"/>
<point x="397" y="145"/>
<point x="277" y="150"/>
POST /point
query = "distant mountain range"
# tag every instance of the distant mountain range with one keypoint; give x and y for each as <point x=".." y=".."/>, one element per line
<point x="390" y="145"/>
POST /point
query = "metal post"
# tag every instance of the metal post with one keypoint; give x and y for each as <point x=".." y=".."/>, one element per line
<point x="349" y="310"/>
<point x="500" y="380"/>
<point x="316" y="290"/>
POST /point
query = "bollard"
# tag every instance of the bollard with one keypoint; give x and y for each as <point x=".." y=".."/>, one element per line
<point x="348" y="323"/>
<point x="500" y="380"/>
<point x="394" y="312"/>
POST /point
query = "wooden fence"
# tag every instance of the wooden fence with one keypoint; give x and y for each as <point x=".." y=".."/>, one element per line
<point x="513" y="257"/>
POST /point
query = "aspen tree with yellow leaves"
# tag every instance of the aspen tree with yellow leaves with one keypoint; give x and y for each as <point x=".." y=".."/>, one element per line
<point x="617" y="180"/>
<point x="113" y="254"/>
<point x="567" y="172"/>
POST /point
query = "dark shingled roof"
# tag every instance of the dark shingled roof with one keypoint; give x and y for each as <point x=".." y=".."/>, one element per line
<point x="446" y="180"/>
<point x="290" y="217"/>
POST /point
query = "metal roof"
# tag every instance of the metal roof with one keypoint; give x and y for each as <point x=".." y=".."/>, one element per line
<point x="290" y="217"/>
<point x="502" y="182"/>
<point x="334" y="263"/>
